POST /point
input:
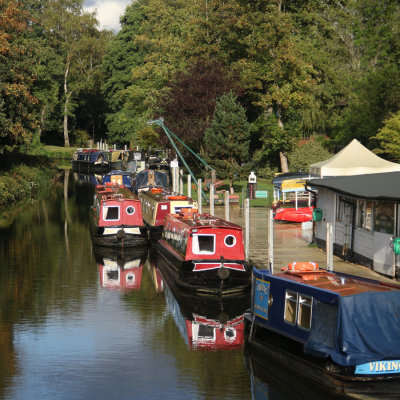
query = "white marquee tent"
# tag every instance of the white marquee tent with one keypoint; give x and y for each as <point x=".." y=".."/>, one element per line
<point x="354" y="159"/>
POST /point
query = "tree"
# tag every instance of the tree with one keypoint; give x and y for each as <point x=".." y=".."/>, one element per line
<point x="306" y="154"/>
<point x="226" y="141"/>
<point x="75" y="37"/>
<point x="189" y="103"/>
<point x="389" y="138"/>
<point x="17" y="60"/>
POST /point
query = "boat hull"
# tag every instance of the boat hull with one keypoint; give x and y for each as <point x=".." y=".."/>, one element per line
<point x="212" y="282"/>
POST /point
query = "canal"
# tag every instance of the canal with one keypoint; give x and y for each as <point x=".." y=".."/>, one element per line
<point x="79" y="323"/>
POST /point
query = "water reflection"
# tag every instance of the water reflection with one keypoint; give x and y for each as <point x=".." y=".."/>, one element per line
<point x="205" y="323"/>
<point x="120" y="269"/>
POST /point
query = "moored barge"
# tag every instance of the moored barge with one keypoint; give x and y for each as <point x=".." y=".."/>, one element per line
<point x="116" y="218"/>
<point x="157" y="203"/>
<point x="332" y="328"/>
<point x="90" y="160"/>
<point x="204" y="254"/>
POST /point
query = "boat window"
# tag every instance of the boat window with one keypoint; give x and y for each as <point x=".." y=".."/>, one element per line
<point x="230" y="240"/>
<point x="305" y="310"/>
<point x="384" y="217"/>
<point x="205" y="332"/>
<point x="130" y="210"/>
<point x="203" y="244"/>
<point x="290" y="307"/>
<point x="111" y="213"/>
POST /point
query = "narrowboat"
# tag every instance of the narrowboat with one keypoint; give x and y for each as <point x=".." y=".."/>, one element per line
<point x="90" y="160"/>
<point x="116" y="218"/>
<point x="204" y="254"/>
<point x="157" y="203"/>
<point x="120" y="270"/>
<point x="332" y="328"/>
<point x="148" y="179"/>
<point x="118" y="159"/>
<point x="118" y="177"/>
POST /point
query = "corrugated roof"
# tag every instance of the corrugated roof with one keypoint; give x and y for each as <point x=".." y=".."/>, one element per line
<point x="384" y="186"/>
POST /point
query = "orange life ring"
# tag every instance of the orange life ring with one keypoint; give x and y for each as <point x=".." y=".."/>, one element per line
<point x="177" y="197"/>
<point x="302" y="266"/>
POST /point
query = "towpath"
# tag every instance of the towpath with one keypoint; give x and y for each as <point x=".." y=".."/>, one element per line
<point x="291" y="243"/>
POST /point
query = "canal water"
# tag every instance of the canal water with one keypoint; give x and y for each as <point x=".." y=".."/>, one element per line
<point x="81" y="323"/>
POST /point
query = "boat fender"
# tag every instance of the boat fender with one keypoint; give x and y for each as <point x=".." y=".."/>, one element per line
<point x="121" y="234"/>
<point x="156" y="190"/>
<point x="223" y="272"/>
<point x="301" y="266"/>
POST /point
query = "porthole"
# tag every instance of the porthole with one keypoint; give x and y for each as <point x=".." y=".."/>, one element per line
<point x="230" y="334"/>
<point x="230" y="240"/>
<point x="130" y="210"/>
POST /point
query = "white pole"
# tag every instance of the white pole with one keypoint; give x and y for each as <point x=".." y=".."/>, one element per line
<point x="296" y="199"/>
<point x="181" y="181"/>
<point x="173" y="179"/>
<point x="247" y="227"/>
<point x="199" y="195"/>
<point x="329" y="246"/>
<point x="227" y="205"/>
<point x="212" y="191"/>
<point x="271" y="239"/>
<point x="189" y="185"/>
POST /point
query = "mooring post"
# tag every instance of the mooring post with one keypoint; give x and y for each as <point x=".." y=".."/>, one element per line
<point x="247" y="227"/>
<point x="199" y="195"/>
<point x="189" y="185"/>
<point x="271" y="239"/>
<point x="329" y="246"/>
<point x="227" y="205"/>
<point x="181" y="181"/>
<point x="212" y="191"/>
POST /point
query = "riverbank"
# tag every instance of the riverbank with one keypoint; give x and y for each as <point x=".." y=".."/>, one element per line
<point x="23" y="176"/>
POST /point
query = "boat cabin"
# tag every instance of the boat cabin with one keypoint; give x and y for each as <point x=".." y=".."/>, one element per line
<point x="116" y="217"/>
<point x="90" y="160"/>
<point x="205" y="237"/>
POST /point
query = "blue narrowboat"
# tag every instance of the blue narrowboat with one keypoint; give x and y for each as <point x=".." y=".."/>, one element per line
<point x="328" y="326"/>
<point x="118" y="177"/>
<point x="90" y="160"/>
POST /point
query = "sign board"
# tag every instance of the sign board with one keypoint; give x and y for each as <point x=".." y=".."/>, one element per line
<point x="261" y="194"/>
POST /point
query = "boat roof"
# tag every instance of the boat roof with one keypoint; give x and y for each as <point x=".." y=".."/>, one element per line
<point x="161" y="195"/>
<point x="343" y="285"/>
<point x="115" y="192"/>
<point x="197" y="220"/>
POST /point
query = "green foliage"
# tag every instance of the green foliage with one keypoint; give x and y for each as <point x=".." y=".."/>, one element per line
<point x="146" y="137"/>
<point x="227" y="138"/>
<point x="81" y="138"/>
<point x="306" y="154"/>
<point x="389" y="138"/>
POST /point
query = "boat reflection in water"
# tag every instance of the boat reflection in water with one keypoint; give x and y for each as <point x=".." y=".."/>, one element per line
<point x="120" y="270"/>
<point x="91" y="179"/>
<point x="206" y="323"/>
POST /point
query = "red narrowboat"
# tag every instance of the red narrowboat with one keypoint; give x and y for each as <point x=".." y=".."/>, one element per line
<point x="116" y="218"/>
<point x="157" y="203"/>
<point x="205" y="254"/>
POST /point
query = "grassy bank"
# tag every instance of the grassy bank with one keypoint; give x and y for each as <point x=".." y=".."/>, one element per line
<point x="23" y="175"/>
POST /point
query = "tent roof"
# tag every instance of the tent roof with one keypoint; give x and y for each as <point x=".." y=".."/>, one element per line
<point x="385" y="186"/>
<point x="354" y="159"/>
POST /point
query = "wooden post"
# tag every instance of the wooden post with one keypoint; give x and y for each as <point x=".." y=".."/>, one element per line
<point x="199" y="195"/>
<point x="271" y="239"/>
<point x="212" y="191"/>
<point x="247" y="227"/>
<point x="213" y="176"/>
<point x="189" y="185"/>
<point x="181" y="181"/>
<point x="329" y="246"/>
<point x="226" y="205"/>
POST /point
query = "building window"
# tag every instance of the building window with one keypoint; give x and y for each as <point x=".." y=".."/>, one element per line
<point x="384" y="217"/>
<point x="203" y="244"/>
<point x="365" y="214"/>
